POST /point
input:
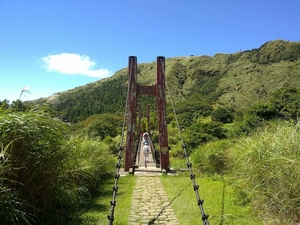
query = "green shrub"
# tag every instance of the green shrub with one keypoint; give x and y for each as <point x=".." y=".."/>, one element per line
<point x="192" y="108"/>
<point x="112" y="144"/>
<point x="265" y="111"/>
<point x="248" y="125"/>
<point x="177" y="151"/>
<point x="222" y="115"/>
<point x="286" y="102"/>
<point x="212" y="157"/>
<point x="100" y="129"/>
<point x="201" y="133"/>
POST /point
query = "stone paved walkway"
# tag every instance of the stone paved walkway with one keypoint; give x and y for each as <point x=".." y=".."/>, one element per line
<point x="150" y="204"/>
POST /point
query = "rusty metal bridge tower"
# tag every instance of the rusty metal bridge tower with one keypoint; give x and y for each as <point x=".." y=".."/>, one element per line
<point x="157" y="90"/>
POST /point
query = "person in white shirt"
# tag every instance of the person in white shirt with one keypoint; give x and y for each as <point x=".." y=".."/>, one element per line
<point x="146" y="151"/>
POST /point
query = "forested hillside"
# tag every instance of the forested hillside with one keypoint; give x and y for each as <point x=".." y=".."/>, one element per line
<point x="236" y="81"/>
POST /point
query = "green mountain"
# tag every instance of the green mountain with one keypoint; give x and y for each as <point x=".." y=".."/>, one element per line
<point x="236" y="80"/>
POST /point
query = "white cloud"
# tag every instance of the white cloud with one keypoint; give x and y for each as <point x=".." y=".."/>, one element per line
<point x="70" y="63"/>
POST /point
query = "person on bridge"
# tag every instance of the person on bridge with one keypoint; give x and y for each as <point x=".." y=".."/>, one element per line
<point x="146" y="151"/>
<point x="145" y="138"/>
<point x="146" y="141"/>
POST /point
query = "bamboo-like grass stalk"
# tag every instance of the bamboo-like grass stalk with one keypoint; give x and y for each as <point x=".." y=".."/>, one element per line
<point x="44" y="173"/>
<point x="267" y="167"/>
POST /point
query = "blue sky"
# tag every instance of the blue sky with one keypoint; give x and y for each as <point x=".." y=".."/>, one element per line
<point x="49" y="46"/>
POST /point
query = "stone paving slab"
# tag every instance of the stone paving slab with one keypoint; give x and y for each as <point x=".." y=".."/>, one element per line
<point x="150" y="204"/>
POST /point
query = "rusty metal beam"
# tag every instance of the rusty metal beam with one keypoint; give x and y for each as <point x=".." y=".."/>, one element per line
<point x="131" y="112"/>
<point x="162" y="113"/>
<point x="147" y="90"/>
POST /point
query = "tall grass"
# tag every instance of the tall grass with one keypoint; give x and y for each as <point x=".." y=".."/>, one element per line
<point x="88" y="163"/>
<point x="44" y="174"/>
<point x="212" y="157"/>
<point x="267" y="168"/>
<point x="32" y="145"/>
<point x="9" y="201"/>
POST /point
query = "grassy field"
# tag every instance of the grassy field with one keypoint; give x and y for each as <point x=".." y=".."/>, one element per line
<point x="220" y="202"/>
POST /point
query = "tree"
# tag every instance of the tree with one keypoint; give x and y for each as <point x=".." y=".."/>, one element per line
<point x="4" y="104"/>
<point x="101" y="129"/>
<point x="286" y="103"/>
<point x="222" y="115"/>
<point x="17" y="106"/>
<point x="201" y="133"/>
<point x="192" y="108"/>
<point x="100" y="126"/>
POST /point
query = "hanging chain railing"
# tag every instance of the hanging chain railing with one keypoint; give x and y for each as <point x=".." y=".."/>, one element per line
<point x="189" y="164"/>
<point x="118" y="166"/>
<point x="115" y="188"/>
<point x="196" y="187"/>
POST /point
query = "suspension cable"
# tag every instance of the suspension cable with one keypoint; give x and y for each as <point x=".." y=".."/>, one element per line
<point x="171" y="100"/>
<point x="118" y="165"/>
<point x="125" y="112"/>
<point x="189" y="164"/>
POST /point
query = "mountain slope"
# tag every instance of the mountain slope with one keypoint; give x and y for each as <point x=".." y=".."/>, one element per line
<point x="235" y="80"/>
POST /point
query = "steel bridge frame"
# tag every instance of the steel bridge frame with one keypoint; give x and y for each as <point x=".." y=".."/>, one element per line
<point x="157" y="90"/>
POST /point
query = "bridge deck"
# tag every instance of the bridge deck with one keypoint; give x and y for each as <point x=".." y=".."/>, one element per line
<point x="150" y="204"/>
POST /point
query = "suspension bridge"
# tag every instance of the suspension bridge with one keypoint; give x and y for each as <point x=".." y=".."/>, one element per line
<point x="148" y="206"/>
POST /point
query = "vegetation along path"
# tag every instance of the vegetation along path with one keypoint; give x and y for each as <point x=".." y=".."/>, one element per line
<point x="150" y="204"/>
